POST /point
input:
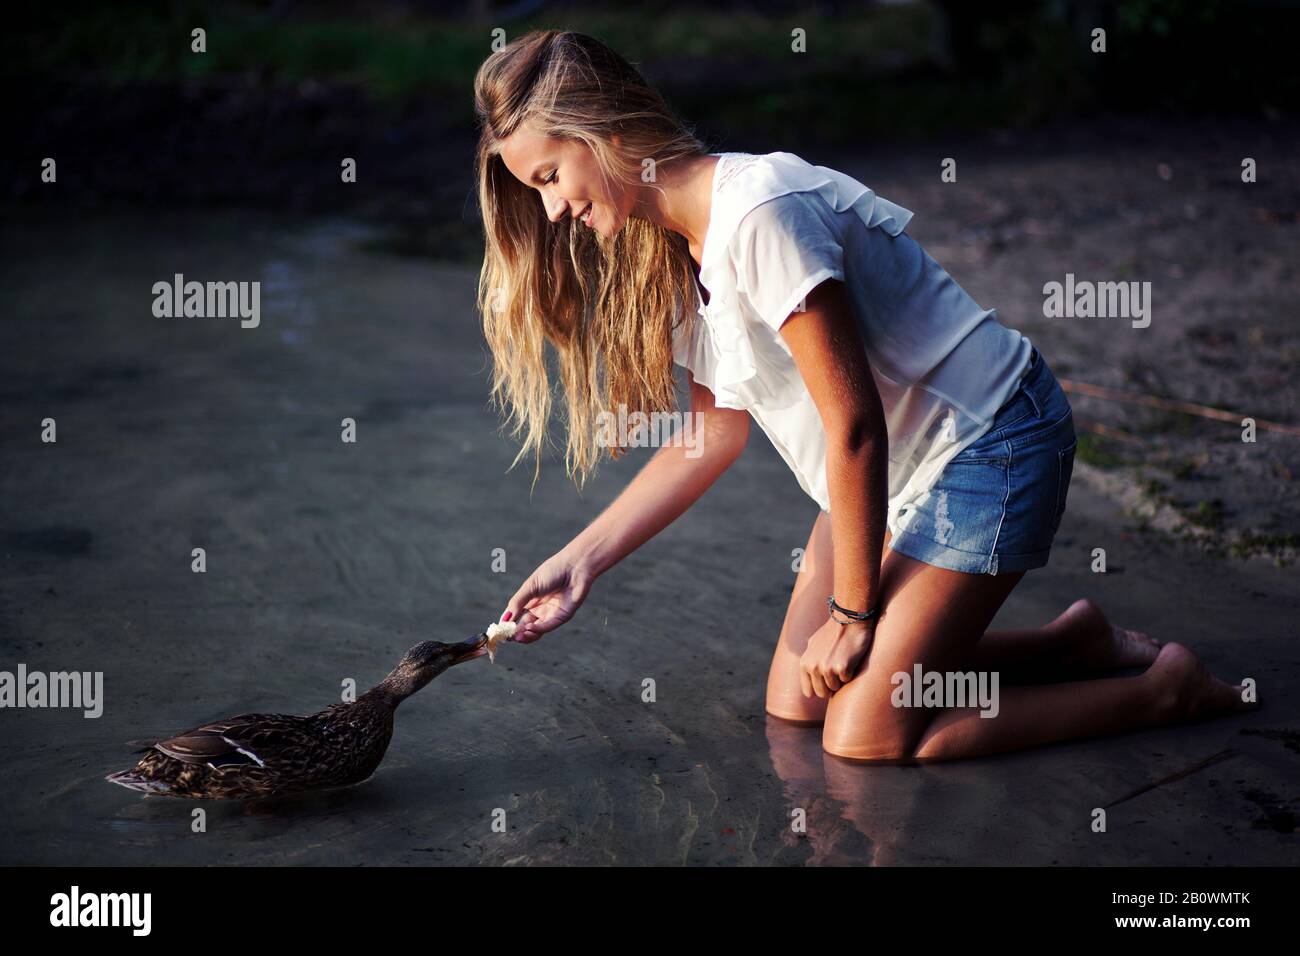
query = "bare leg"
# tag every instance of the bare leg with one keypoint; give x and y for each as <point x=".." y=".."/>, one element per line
<point x="1177" y="688"/>
<point x="1079" y="643"/>
<point x="929" y="616"/>
<point x="806" y="612"/>
<point x="934" y="617"/>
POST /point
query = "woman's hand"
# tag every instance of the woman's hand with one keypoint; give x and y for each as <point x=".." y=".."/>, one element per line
<point x="833" y="656"/>
<point x="550" y="596"/>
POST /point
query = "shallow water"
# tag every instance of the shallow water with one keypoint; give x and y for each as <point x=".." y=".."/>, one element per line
<point x="326" y="560"/>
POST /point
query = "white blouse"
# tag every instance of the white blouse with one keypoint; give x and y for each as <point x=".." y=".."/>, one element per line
<point x="780" y="226"/>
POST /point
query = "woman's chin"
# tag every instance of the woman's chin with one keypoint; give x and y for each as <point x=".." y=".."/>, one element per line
<point x="612" y="231"/>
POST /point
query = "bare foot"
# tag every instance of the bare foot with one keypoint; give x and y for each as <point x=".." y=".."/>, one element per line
<point x="1102" y="646"/>
<point x="1194" y="693"/>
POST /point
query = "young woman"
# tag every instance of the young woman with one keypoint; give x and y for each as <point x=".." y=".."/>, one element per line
<point x="936" y="441"/>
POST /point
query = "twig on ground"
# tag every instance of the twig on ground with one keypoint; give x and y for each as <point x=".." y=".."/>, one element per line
<point x="1189" y="408"/>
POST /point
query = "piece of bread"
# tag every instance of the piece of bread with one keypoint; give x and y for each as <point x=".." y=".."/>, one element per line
<point x="499" y="632"/>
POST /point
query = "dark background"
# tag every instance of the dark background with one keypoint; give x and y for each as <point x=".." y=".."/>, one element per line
<point x="114" y="90"/>
<point x="327" y="560"/>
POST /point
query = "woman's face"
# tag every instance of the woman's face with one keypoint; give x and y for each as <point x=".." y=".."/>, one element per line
<point x="565" y="174"/>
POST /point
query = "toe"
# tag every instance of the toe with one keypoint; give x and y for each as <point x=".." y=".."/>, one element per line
<point x="1144" y="637"/>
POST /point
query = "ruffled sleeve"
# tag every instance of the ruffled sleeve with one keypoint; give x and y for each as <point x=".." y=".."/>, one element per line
<point x="722" y="355"/>
<point x="767" y="247"/>
<point x="783" y="249"/>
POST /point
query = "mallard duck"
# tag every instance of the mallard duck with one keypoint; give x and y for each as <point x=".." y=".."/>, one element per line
<point x="263" y="755"/>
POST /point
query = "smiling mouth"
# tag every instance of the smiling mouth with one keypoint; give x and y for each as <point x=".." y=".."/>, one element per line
<point x="586" y="216"/>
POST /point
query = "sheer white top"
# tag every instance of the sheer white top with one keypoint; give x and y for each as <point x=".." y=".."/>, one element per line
<point x="780" y="226"/>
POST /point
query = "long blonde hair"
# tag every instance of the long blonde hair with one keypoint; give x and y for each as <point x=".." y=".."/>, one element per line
<point x="606" y="305"/>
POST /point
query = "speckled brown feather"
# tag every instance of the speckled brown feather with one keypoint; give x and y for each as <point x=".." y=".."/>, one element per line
<point x="263" y="755"/>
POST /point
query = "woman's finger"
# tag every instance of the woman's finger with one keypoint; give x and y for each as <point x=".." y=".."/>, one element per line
<point x="548" y="622"/>
<point x="832" y="681"/>
<point x="843" y="668"/>
<point x="516" y="605"/>
<point x="523" y="606"/>
<point x="523" y="625"/>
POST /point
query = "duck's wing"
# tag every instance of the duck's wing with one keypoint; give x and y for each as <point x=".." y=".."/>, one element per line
<point x="249" y="739"/>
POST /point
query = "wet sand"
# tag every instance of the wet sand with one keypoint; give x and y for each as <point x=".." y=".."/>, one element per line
<point x="327" y="560"/>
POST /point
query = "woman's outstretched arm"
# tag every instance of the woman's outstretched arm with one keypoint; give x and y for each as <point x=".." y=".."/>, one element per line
<point x="669" y="484"/>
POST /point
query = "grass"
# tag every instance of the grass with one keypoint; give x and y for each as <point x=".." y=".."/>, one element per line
<point x="1254" y="542"/>
<point x="1097" y="451"/>
<point x="1155" y="490"/>
<point x="392" y="60"/>
<point x="398" y="54"/>
<point x="1023" y="67"/>
<point x="861" y="66"/>
<point x="1207" y="514"/>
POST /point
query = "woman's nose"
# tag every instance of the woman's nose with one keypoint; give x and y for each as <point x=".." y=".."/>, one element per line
<point x="555" y="208"/>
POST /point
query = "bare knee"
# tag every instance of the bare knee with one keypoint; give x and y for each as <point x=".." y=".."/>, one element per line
<point x="806" y="710"/>
<point x="885" y="741"/>
<point x="869" y="750"/>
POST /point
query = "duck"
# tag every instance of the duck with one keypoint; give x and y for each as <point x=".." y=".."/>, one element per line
<point x="266" y="755"/>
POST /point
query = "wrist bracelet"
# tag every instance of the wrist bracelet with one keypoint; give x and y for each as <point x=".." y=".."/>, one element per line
<point x="853" y="616"/>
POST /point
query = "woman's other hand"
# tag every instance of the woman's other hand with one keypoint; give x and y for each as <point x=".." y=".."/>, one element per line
<point x="833" y="656"/>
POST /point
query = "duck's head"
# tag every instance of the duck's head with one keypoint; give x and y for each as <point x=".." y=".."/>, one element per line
<point x="440" y="656"/>
<point x="428" y="659"/>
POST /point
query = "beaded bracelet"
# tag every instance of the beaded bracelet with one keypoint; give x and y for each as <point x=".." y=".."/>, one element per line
<point x="853" y="616"/>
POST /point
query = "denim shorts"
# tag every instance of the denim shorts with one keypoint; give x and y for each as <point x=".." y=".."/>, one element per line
<point x="997" y="504"/>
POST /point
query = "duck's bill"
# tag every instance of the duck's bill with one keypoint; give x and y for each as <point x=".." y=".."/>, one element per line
<point x="468" y="650"/>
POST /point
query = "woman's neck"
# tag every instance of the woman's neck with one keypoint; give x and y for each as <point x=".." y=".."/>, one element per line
<point x="685" y="203"/>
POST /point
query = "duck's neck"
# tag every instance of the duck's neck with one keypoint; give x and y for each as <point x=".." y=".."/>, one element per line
<point x="381" y="695"/>
<point x="396" y="687"/>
